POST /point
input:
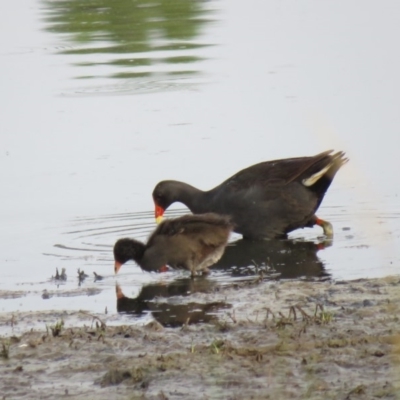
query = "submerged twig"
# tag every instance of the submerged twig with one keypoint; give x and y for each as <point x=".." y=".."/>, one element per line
<point x="60" y="277"/>
<point x="5" y="351"/>
<point x="81" y="276"/>
<point x="97" y="277"/>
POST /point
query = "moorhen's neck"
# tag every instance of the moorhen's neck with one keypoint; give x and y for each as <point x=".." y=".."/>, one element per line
<point x="195" y="199"/>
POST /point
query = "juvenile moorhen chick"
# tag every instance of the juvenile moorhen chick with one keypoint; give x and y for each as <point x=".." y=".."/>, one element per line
<point x="266" y="200"/>
<point x="192" y="242"/>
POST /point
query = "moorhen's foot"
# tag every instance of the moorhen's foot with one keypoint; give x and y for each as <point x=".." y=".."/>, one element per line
<point x="326" y="226"/>
<point x="326" y="243"/>
<point x="203" y="272"/>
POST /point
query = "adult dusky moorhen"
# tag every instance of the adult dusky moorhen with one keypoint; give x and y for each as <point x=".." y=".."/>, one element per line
<point x="192" y="242"/>
<point x="266" y="200"/>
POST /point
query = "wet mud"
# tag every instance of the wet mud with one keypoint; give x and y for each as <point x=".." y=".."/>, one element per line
<point x="283" y="339"/>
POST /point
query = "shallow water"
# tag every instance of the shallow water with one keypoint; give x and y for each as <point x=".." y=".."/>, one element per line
<point x="100" y="103"/>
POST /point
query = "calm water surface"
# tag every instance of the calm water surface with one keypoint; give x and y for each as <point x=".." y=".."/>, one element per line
<point x="101" y="101"/>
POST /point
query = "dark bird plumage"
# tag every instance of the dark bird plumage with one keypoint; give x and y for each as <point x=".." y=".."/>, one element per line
<point x="266" y="200"/>
<point x="192" y="242"/>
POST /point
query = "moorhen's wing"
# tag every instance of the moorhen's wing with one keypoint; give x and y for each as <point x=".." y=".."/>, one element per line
<point x="201" y="226"/>
<point x="275" y="172"/>
<point x="179" y="242"/>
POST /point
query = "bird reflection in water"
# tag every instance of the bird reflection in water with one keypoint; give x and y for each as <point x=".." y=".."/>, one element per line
<point x="277" y="259"/>
<point x="168" y="313"/>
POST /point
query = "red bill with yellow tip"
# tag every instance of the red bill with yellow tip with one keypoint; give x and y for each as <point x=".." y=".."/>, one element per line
<point x="159" y="213"/>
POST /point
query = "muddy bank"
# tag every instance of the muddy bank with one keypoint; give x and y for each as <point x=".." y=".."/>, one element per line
<point x="300" y="340"/>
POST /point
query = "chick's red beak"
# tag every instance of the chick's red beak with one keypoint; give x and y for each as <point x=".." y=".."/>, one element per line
<point x="117" y="266"/>
<point x="118" y="292"/>
<point x="159" y="214"/>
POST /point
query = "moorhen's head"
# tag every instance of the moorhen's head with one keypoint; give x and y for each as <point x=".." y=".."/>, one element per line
<point x="163" y="196"/>
<point x="125" y="250"/>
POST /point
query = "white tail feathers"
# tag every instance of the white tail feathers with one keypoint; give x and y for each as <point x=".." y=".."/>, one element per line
<point x="337" y="161"/>
<point x="315" y="177"/>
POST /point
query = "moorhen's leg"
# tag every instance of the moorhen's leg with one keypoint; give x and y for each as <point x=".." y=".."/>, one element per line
<point x="326" y="226"/>
<point x="190" y="266"/>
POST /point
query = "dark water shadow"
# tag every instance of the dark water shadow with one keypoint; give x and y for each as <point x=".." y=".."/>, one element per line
<point x="167" y="313"/>
<point x="277" y="259"/>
